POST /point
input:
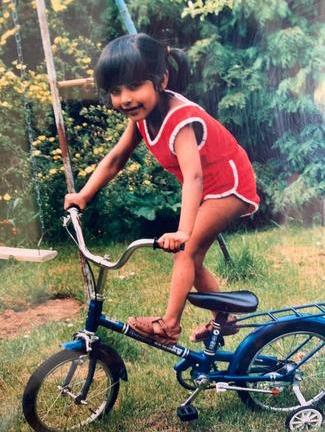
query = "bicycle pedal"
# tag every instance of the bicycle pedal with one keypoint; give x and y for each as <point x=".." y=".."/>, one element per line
<point x="187" y="413"/>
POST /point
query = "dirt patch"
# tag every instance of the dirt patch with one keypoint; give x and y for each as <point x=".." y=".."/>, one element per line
<point x="14" y="323"/>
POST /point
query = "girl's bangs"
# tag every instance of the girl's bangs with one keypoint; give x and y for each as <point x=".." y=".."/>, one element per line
<point x="121" y="67"/>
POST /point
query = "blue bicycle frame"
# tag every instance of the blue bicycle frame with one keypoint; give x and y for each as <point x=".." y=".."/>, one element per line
<point x="201" y="362"/>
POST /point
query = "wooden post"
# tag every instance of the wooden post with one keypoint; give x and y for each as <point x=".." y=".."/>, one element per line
<point x="45" y="34"/>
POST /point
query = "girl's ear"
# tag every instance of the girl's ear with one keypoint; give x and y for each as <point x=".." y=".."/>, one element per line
<point x="164" y="81"/>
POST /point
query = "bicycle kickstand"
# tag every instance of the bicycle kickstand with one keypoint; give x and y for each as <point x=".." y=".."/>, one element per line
<point x="186" y="411"/>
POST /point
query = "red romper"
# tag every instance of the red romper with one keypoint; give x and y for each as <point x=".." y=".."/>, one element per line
<point x="225" y="166"/>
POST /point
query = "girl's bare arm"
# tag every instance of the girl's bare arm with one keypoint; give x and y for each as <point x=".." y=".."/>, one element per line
<point x="188" y="156"/>
<point x="107" y="169"/>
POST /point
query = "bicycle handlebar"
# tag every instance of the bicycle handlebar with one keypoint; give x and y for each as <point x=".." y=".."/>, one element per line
<point x="74" y="218"/>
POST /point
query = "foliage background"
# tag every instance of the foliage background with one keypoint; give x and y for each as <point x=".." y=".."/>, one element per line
<point x="257" y="66"/>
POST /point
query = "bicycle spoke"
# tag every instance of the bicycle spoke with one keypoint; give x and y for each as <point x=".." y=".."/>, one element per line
<point x="304" y="349"/>
<point x="57" y="405"/>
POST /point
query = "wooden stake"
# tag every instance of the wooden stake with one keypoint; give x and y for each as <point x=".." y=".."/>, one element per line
<point x="51" y="73"/>
<point x="45" y="34"/>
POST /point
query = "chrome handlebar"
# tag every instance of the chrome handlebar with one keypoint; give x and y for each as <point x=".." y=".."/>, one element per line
<point x="74" y="218"/>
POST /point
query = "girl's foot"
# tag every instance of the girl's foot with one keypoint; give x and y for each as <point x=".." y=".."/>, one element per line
<point x="227" y="323"/>
<point x="155" y="328"/>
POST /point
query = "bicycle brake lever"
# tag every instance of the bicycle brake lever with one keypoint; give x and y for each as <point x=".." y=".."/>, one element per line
<point x="66" y="220"/>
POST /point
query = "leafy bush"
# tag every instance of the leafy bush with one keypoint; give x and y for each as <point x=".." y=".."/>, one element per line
<point x="257" y="67"/>
<point x="33" y="184"/>
<point x="262" y="77"/>
<point x="140" y="192"/>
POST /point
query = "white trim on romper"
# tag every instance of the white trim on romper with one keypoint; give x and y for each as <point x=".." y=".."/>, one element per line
<point x="233" y="191"/>
<point x="183" y="123"/>
<point x="187" y="102"/>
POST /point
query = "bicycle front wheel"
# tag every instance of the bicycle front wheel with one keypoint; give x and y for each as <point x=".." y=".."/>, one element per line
<point x="295" y="344"/>
<point x="69" y="391"/>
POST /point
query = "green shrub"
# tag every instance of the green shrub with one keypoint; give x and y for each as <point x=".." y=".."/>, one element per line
<point x="262" y="77"/>
<point x="140" y="192"/>
<point x="245" y="264"/>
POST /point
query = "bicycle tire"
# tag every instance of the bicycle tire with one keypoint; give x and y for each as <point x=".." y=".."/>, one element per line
<point x="62" y="413"/>
<point x="273" y="342"/>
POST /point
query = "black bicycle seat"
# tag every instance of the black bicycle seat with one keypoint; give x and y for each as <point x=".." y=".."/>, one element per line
<point x="235" y="301"/>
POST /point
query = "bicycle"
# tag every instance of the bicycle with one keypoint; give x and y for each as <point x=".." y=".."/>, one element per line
<point x="279" y="366"/>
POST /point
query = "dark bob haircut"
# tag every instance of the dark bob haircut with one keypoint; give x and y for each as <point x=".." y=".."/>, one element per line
<point x="134" y="58"/>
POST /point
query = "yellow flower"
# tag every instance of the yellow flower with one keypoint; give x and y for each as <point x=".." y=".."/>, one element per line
<point x="98" y="150"/>
<point x="56" y="151"/>
<point x="86" y="60"/>
<point x="7" y="34"/>
<point x="52" y="171"/>
<point x="90" y="169"/>
<point x="20" y="66"/>
<point x="42" y="138"/>
<point x="6" y="197"/>
<point x="36" y="152"/>
<point x="60" y="5"/>
<point x="134" y="167"/>
<point x="51" y="139"/>
<point x="5" y="104"/>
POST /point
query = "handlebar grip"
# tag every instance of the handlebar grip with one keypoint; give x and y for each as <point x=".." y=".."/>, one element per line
<point x="156" y="246"/>
<point x="74" y="206"/>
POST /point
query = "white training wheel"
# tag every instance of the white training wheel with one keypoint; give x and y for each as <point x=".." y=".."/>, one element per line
<point x="304" y="419"/>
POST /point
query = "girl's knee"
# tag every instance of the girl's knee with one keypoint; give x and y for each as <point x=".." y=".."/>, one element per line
<point x="195" y="256"/>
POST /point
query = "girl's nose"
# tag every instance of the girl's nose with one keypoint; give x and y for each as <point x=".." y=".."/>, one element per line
<point x="126" y="97"/>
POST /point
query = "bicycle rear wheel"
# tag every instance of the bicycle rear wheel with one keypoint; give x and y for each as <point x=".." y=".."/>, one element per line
<point x="286" y="346"/>
<point x="52" y="401"/>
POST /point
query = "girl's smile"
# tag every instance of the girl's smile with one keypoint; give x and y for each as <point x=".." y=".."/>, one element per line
<point x="136" y="100"/>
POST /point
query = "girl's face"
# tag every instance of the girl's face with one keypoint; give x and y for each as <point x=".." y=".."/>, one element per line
<point x="136" y="100"/>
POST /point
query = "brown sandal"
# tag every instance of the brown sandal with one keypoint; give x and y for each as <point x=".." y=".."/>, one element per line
<point x="155" y="328"/>
<point x="228" y="327"/>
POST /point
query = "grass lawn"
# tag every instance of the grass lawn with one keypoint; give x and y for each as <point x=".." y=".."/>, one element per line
<point x="283" y="266"/>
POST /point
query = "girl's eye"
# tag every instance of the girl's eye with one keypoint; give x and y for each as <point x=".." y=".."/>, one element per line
<point x="115" y="91"/>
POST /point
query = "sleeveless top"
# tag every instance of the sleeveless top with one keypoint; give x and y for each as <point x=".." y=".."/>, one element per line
<point x="226" y="168"/>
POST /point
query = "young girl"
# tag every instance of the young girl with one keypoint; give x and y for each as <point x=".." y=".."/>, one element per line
<point x="141" y="78"/>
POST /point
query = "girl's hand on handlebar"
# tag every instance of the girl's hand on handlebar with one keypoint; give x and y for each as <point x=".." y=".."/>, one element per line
<point x="76" y="199"/>
<point x="171" y="242"/>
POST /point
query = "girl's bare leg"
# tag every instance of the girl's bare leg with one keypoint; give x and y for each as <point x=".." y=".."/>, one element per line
<point x="213" y="217"/>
